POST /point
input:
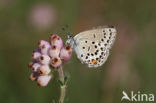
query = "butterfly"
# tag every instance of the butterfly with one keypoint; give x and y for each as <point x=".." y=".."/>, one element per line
<point x="92" y="46"/>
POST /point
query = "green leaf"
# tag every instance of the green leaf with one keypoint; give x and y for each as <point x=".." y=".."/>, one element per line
<point x="61" y="83"/>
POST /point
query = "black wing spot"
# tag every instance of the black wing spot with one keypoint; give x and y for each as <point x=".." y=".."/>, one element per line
<point x="102" y="53"/>
<point x="83" y="47"/>
<point x="88" y="48"/>
<point x="105" y="44"/>
<point x="99" y="44"/>
<point x="93" y="42"/>
<point x="85" y="41"/>
<point x="86" y="57"/>
<point x="94" y="35"/>
<point x="81" y="55"/>
<point x="104" y="36"/>
<point x="97" y="50"/>
<point x="92" y="54"/>
<point x="101" y="48"/>
<point x="88" y="54"/>
<point x="107" y="41"/>
<point x="102" y="40"/>
<point x="95" y="46"/>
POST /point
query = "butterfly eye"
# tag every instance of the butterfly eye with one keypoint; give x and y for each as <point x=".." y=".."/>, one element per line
<point x="69" y="36"/>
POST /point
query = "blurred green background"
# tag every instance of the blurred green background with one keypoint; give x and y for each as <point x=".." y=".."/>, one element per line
<point x="130" y="66"/>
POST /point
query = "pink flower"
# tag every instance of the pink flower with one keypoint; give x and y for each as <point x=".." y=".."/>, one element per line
<point x="56" y="40"/>
<point x="56" y="62"/>
<point x="54" y="51"/>
<point x="42" y="16"/>
<point x="66" y="53"/>
<point x="48" y="54"/>
<point x="43" y="80"/>
<point x="36" y="55"/>
<point x="44" y="70"/>
<point x="44" y="59"/>
<point x="44" y="46"/>
<point x="33" y="76"/>
<point x="35" y="67"/>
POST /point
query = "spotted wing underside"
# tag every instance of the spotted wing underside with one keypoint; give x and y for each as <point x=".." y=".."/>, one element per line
<point x="92" y="46"/>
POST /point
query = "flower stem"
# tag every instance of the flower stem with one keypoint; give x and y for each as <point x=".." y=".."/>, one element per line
<point x="63" y="88"/>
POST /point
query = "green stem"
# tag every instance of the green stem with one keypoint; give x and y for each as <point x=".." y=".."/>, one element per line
<point x="63" y="88"/>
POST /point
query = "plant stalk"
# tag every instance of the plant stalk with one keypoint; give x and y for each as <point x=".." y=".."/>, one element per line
<point x="63" y="88"/>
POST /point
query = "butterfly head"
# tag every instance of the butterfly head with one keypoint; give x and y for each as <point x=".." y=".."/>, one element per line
<point x="70" y="41"/>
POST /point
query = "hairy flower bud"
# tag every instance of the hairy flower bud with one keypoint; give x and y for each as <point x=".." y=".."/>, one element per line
<point x="30" y="64"/>
<point x="44" y="70"/>
<point x="54" y="51"/>
<point x="43" y="80"/>
<point x="36" y="55"/>
<point x="33" y="76"/>
<point x="66" y="53"/>
<point x="44" y="59"/>
<point x="56" y="62"/>
<point x="44" y="46"/>
<point x="56" y="40"/>
<point x="35" y="67"/>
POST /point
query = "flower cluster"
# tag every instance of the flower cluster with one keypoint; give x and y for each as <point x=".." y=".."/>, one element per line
<point x="49" y="54"/>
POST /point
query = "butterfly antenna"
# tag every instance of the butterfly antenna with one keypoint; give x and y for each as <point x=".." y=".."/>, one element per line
<point x="65" y="29"/>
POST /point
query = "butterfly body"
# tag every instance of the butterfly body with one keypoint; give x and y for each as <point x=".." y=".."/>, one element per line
<point x="92" y="46"/>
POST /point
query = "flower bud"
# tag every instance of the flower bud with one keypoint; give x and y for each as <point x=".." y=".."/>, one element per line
<point x="35" y="66"/>
<point x="44" y="70"/>
<point x="44" y="46"/>
<point x="54" y="51"/>
<point x="43" y="80"/>
<point x="66" y="53"/>
<point x="56" y="62"/>
<point x="33" y="76"/>
<point x="30" y="64"/>
<point x="36" y="55"/>
<point x="56" y="40"/>
<point x="44" y="59"/>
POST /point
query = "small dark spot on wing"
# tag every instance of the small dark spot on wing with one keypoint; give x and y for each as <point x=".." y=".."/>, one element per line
<point x="107" y="41"/>
<point x="86" y="57"/>
<point x="88" y="48"/>
<point x="94" y="35"/>
<point x="95" y="46"/>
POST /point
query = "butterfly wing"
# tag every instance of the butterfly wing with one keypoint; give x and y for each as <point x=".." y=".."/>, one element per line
<point x="92" y="46"/>
<point x="105" y="35"/>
